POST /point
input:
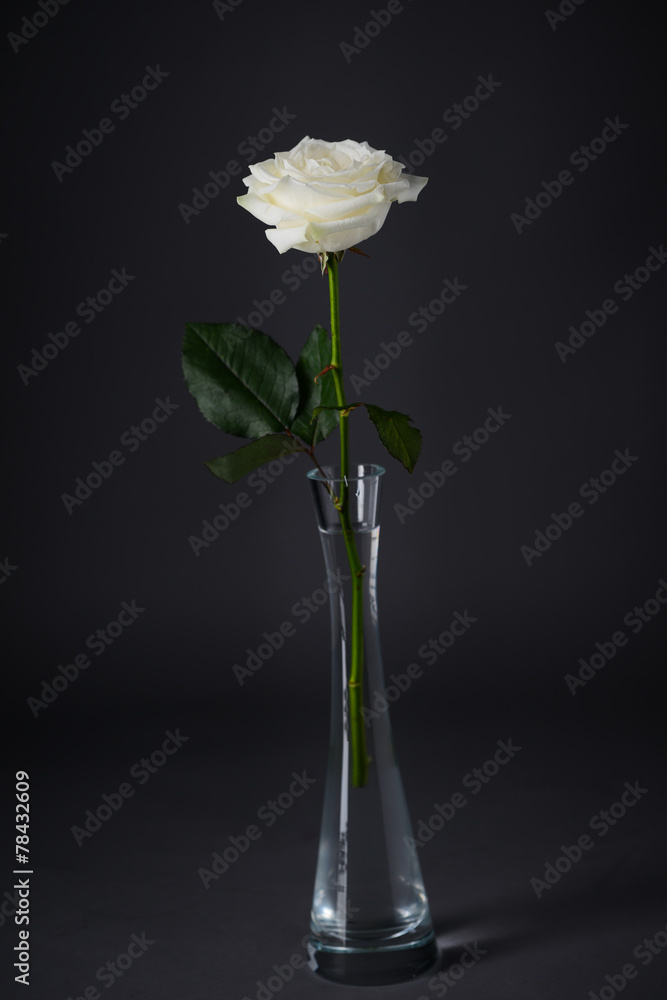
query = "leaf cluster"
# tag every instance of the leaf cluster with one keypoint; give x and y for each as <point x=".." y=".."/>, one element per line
<point x="247" y="385"/>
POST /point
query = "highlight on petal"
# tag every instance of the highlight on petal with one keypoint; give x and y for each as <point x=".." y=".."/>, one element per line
<point x="289" y="237"/>
<point x="415" y="186"/>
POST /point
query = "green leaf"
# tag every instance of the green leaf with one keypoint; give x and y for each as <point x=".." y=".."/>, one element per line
<point x="399" y="438"/>
<point x="250" y="456"/>
<point x="314" y="358"/>
<point x="243" y="381"/>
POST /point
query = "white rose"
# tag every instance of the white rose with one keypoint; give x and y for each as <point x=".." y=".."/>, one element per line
<point x="326" y="196"/>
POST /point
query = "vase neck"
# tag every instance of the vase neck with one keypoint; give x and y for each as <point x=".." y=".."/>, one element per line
<point x="363" y="490"/>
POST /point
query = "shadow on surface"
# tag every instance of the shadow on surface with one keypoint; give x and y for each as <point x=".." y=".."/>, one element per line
<point x="509" y="925"/>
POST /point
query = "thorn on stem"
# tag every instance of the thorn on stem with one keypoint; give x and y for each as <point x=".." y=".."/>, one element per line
<point x="329" y="368"/>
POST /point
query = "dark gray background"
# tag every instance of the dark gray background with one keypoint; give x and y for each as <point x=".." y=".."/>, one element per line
<point x="493" y="347"/>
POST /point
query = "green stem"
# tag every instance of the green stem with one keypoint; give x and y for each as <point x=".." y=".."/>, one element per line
<point x="360" y="757"/>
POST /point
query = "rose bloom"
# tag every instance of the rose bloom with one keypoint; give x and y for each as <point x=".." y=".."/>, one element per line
<point x="326" y="196"/>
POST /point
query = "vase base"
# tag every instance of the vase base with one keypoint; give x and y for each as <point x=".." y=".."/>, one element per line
<point x="377" y="967"/>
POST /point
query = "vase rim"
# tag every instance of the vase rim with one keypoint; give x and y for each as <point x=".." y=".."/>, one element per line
<point x="331" y="473"/>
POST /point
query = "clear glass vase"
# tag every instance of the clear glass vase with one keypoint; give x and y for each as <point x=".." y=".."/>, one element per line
<point x="370" y="920"/>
